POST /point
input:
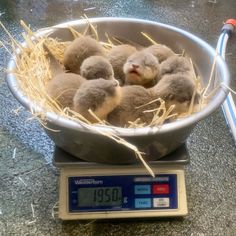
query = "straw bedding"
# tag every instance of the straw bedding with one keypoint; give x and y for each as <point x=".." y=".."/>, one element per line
<point x="33" y="72"/>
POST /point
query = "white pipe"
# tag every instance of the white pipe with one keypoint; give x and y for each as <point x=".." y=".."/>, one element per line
<point x="228" y="106"/>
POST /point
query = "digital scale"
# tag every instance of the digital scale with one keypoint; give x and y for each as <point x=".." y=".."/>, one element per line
<point x="98" y="191"/>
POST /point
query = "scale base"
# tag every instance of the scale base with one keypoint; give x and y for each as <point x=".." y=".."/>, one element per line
<point x="140" y="194"/>
<point x="65" y="214"/>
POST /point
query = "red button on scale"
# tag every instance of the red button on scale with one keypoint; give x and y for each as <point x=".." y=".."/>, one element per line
<point x="160" y="189"/>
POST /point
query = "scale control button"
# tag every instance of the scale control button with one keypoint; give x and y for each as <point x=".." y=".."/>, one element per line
<point x="142" y="203"/>
<point x="161" y="202"/>
<point x="160" y="189"/>
<point x="142" y="189"/>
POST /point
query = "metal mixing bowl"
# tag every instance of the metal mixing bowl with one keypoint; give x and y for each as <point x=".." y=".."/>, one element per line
<point x="156" y="142"/>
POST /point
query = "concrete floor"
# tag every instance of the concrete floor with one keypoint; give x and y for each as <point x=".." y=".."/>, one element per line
<point x="27" y="176"/>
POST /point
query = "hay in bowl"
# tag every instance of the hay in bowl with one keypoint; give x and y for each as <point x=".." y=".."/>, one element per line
<point x="29" y="73"/>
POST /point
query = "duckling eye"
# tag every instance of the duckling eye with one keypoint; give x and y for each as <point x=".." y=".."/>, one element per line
<point x="150" y="64"/>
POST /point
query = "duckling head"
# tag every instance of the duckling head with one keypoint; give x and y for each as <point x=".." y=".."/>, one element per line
<point x="141" y="68"/>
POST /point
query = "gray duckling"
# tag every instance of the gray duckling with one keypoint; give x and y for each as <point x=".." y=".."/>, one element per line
<point x="100" y="95"/>
<point x="132" y="97"/>
<point x="177" y="65"/>
<point x="117" y="57"/>
<point x="63" y="87"/>
<point x="175" y="89"/>
<point x="96" y="67"/>
<point x="142" y="68"/>
<point x="160" y="51"/>
<point x="80" y="49"/>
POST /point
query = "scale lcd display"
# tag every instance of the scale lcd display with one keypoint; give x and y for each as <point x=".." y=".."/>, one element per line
<point x="99" y="196"/>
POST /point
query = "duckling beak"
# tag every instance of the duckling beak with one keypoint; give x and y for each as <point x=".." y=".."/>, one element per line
<point x="134" y="71"/>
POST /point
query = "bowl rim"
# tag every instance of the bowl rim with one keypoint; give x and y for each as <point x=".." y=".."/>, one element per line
<point x="60" y="121"/>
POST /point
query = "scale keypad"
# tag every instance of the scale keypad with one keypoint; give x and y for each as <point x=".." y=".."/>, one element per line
<point x="156" y="191"/>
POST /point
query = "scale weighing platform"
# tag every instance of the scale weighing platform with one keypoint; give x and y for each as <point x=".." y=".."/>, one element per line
<point x="99" y="191"/>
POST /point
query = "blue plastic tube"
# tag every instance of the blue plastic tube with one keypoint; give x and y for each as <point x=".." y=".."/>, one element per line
<point x="228" y="106"/>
